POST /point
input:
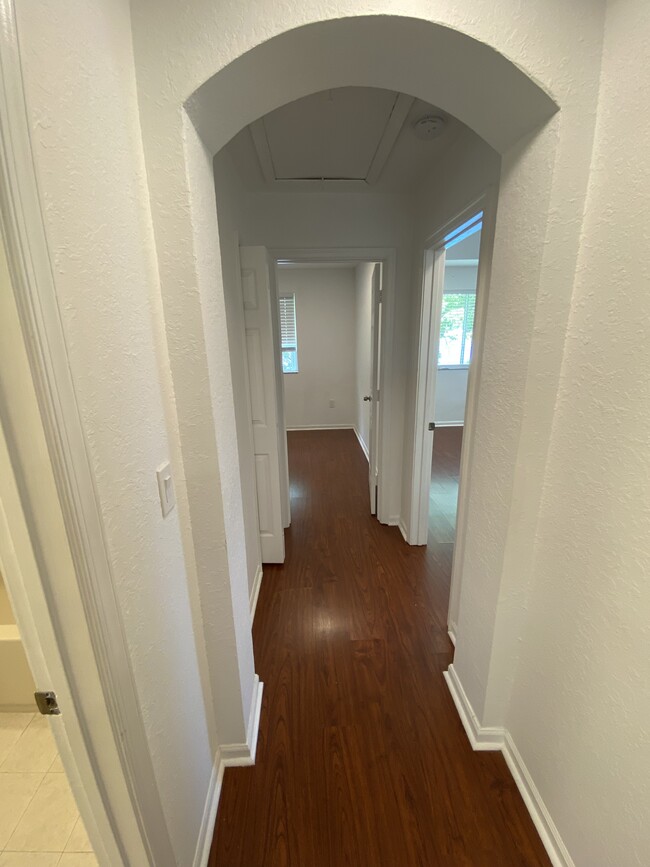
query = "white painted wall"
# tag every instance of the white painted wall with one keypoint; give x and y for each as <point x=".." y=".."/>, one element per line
<point x="580" y="700"/>
<point x="80" y="83"/>
<point x="325" y="320"/>
<point x="451" y="391"/>
<point x="363" y="320"/>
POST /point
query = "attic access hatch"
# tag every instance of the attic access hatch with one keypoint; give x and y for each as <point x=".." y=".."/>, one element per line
<point x="345" y="134"/>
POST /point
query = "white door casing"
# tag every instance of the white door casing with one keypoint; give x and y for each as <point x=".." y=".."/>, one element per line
<point x="434" y="272"/>
<point x="260" y="352"/>
<point x="375" y="395"/>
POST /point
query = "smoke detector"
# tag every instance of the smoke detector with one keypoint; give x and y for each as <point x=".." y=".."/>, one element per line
<point x="429" y="127"/>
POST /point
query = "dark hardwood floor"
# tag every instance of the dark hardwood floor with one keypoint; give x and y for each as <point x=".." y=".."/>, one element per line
<point x="362" y="759"/>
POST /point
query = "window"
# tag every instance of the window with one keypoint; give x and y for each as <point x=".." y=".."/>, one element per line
<point x="288" y="334"/>
<point x="459" y="293"/>
<point x="456" y="326"/>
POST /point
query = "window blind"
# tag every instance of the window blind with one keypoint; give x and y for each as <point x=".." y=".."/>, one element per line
<point x="288" y="336"/>
<point x="288" y="321"/>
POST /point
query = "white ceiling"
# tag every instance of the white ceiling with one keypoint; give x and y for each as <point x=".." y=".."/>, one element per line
<point x="334" y="134"/>
<point x="348" y="138"/>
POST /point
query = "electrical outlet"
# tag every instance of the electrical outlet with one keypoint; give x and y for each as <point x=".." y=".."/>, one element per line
<point x="332" y="404"/>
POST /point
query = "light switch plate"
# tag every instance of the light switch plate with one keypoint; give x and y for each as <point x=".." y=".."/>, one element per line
<point x="166" y="488"/>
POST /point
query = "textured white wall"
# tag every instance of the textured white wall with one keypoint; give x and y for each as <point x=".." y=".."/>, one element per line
<point x="363" y="318"/>
<point x="80" y="83"/>
<point x="580" y="701"/>
<point x="325" y="317"/>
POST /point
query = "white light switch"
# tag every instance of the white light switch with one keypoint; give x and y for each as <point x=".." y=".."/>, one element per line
<point x="166" y="488"/>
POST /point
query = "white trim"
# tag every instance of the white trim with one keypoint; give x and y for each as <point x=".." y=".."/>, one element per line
<point x="430" y="312"/>
<point x="486" y="738"/>
<point x="255" y="592"/>
<point x="228" y="756"/>
<point x="206" y="831"/>
<point x="480" y="737"/>
<point x="546" y="827"/>
<point x="322" y="427"/>
<point x="391" y="132"/>
<point x="429" y="335"/>
<point x="402" y="529"/>
<point x="489" y="203"/>
<point x="451" y="632"/>
<point x="243" y="755"/>
<point x="388" y="258"/>
<point x="35" y="294"/>
<point x="364" y="447"/>
<point x="450" y="424"/>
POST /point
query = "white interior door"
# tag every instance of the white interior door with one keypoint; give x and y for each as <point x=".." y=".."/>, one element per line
<point x="375" y="344"/>
<point x="279" y="390"/>
<point x="259" y="318"/>
<point x="434" y="276"/>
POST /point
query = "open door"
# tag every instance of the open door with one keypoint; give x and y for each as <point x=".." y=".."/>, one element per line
<point x="374" y="396"/>
<point x="260" y="314"/>
<point x="450" y="278"/>
<point x="283" y="451"/>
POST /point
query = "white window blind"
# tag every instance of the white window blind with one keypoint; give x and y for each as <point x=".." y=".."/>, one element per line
<point x="288" y="336"/>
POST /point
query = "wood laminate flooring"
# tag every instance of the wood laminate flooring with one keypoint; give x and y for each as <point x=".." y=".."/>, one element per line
<point x="362" y="760"/>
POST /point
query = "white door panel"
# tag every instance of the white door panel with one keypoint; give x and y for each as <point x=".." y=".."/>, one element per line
<point x="259" y="313"/>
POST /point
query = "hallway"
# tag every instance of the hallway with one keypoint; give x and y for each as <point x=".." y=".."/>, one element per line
<point x="362" y="759"/>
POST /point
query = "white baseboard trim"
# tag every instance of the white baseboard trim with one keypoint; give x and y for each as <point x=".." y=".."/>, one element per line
<point x="499" y="738"/>
<point x="450" y="424"/>
<point x="402" y="530"/>
<point x="324" y="427"/>
<point x="546" y="828"/>
<point x="209" y="818"/>
<point x="255" y="592"/>
<point x="393" y="521"/>
<point x="229" y="755"/>
<point x="480" y="737"/>
<point x="451" y="632"/>
<point x="364" y="447"/>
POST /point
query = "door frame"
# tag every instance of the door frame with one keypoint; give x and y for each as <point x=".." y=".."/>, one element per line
<point x="39" y="598"/>
<point x="388" y="258"/>
<point x="430" y="307"/>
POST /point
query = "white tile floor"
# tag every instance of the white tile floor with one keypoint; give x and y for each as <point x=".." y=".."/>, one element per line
<point x="40" y="825"/>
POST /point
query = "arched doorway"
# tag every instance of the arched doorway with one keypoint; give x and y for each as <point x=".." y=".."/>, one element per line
<point x="426" y="59"/>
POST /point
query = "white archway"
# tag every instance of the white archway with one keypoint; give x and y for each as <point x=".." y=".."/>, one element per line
<point x="443" y="66"/>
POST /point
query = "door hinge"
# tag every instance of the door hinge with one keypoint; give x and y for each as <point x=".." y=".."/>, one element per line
<point x="432" y="425"/>
<point x="47" y="703"/>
